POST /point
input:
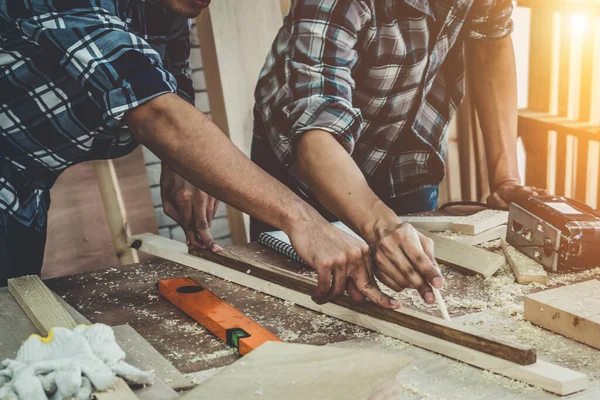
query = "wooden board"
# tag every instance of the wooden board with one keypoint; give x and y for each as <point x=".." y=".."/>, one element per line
<point x="468" y="259"/>
<point x="299" y="372"/>
<point x="572" y="311"/>
<point x="79" y="238"/>
<point x="545" y="375"/>
<point x="525" y="269"/>
<point x="412" y="319"/>
<point x="142" y="355"/>
<point x="430" y="223"/>
<point x="498" y="232"/>
<point x="480" y="222"/>
<point x="46" y="312"/>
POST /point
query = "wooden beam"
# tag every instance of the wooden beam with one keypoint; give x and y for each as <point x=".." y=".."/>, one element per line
<point x="430" y="224"/>
<point x="114" y="207"/>
<point x="464" y="257"/>
<point x="545" y="375"/>
<point x="480" y="222"/>
<point x="572" y="311"/>
<point x="563" y="6"/>
<point x="525" y="269"/>
<point x="45" y="312"/>
<point x="535" y="120"/>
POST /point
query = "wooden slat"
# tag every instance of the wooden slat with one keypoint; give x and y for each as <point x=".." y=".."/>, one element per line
<point x="114" y="208"/>
<point x="542" y="374"/>
<point x="561" y="164"/>
<point x="525" y="269"/>
<point x="581" y="172"/>
<point x="587" y="72"/>
<point x="535" y="139"/>
<point x="419" y="322"/>
<point x="45" y="312"/>
<point x="590" y="7"/>
<point x="530" y="120"/>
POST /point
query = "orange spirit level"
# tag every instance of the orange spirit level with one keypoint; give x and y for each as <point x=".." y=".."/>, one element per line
<point x="233" y="327"/>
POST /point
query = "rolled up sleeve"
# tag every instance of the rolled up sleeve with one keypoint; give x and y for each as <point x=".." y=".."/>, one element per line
<point x="321" y="50"/>
<point x="490" y="19"/>
<point x="118" y="69"/>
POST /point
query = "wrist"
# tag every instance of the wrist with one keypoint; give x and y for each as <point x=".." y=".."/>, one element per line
<point x="378" y="223"/>
<point x="504" y="181"/>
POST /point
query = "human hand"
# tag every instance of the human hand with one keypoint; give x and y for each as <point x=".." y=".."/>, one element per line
<point x="509" y="191"/>
<point x="405" y="259"/>
<point x="190" y="207"/>
<point x="341" y="262"/>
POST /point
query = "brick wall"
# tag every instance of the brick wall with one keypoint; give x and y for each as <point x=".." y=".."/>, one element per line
<point x="166" y="226"/>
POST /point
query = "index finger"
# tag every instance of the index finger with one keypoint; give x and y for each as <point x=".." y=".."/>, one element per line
<point x="365" y="283"/>
<point x="421" y="261"/>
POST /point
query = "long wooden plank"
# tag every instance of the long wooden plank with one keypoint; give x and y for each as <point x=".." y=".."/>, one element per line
<point x="464" y="257"/>
<point x="548" y="376"/>
<point x="572" y="311"/>
<point x="480" y="222"/>
<point x="411" y="319"/>
<point x="524" y="268"/>
<point x="487" y="236"/>
<point x="44" y="310"/>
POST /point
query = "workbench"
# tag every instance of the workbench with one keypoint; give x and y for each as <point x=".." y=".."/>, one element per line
<point x="127" y="295"/>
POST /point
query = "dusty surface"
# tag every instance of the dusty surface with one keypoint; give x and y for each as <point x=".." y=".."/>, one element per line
<point x="493" y="306"/>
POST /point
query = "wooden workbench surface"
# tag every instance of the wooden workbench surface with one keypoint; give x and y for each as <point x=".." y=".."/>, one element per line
<point x="127" y="295"/>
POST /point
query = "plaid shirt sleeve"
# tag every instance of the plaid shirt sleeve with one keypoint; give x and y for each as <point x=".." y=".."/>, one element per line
<point x="490" y="19"/>
<point x="118" y="69"/>
<point x="178" y="53"/>
<point x="323" y="34"/>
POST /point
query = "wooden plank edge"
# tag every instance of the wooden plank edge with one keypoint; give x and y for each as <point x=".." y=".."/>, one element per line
<point x="475" y="227"/>
<point x="417" y="321"/>
<point x="494" y="264"/>
<point x="520" y="279"/>
<point x="531" y="305"/>
<point x="121" y="390"/>
<point x="545" y="375"/>
<point x="498" y="232"/>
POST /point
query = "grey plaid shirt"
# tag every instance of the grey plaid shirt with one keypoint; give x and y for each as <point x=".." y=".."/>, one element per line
<point x="383" y="76"/>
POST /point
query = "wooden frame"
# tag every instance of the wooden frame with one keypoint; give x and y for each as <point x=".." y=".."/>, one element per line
<point x="548" y="376"/>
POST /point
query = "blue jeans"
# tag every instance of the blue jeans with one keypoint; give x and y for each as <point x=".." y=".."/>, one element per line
<point x="419" y="200"/>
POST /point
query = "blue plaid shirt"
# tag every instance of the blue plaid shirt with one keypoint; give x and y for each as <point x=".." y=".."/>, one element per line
<point x="383" y="76"/>
<point x="69" y="70"/>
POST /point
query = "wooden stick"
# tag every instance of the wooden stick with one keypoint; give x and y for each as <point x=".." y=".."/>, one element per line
<point x="498" y="232"/>
<point x="114" y="207"/>
<point x="417" y="321"/>
<point x="45" y="312"/>
<point x="480" y="222"/>
<point x="525" y="269"/>
<point x="550" y="377"/>
<point x="466" y="258"/>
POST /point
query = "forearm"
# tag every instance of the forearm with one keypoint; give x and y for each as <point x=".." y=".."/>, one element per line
<point x="494" y="87"/>
<point x="193" y="146"/>
<point x="339" y="184"/>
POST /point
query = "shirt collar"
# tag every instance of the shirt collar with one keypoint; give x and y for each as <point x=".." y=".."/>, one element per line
<point x="422" y="5"/>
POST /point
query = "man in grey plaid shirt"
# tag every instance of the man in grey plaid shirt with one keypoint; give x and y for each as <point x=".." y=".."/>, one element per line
<point x="353" y="106"/>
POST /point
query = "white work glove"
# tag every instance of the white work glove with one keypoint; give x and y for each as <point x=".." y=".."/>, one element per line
<point x="67" y="364"/>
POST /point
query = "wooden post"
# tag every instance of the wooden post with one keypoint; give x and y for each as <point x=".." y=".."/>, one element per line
<point x="115" y="210"/>
<point x="235" y="37"/>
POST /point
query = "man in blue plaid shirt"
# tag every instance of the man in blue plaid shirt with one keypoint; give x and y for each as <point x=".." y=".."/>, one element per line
<point x="89" y="79"/>
<point x="353" y="106"/>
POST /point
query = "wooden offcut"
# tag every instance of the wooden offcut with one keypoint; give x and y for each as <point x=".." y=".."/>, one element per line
<point x="525" y="269"/>
<point x="496" y="233"/>
<point x="315" y="372"/>
<point x="572" y="311"/>
<point x="545" y="375"/>
<point x="468" y="259"/>
<point x="480" y="222"/>
<point x="45" y="312"/>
